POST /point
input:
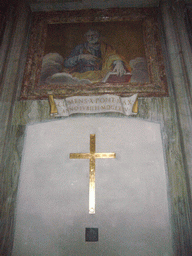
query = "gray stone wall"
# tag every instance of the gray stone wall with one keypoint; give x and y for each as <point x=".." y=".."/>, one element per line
<point x="12" y="59"/>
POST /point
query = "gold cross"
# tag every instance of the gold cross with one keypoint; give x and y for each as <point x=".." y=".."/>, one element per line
<point x="92" y="156"/>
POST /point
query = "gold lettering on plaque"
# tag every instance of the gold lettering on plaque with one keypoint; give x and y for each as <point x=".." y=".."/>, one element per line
<point x="92" y="156"/>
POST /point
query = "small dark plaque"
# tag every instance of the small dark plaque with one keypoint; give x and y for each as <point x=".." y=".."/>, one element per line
<point x="91" y="234"/>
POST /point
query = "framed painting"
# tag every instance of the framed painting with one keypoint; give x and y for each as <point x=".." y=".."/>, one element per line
<point x="95" y="52"/>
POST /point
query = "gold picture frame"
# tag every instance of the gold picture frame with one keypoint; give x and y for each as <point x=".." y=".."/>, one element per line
<point x="134" y="32"/>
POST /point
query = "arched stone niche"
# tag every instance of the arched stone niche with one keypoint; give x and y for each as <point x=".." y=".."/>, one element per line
<point x="131" y="198"/>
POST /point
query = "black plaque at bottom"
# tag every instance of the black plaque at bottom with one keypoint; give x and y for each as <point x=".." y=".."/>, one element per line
<point x="91" y="235"/>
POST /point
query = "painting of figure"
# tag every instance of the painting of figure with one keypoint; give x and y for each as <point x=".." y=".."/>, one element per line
<point x="79" y="53"/>
<point x="95" y="60"/>
<point x="95" y="56"/>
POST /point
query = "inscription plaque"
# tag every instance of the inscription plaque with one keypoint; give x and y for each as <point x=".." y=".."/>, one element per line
<point x="91" y="235"/>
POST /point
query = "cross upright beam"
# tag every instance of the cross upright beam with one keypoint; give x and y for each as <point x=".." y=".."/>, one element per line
<point x="91" y="156"/>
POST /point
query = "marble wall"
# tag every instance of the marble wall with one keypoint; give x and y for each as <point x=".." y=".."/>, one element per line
<point x="131" y="204"/>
